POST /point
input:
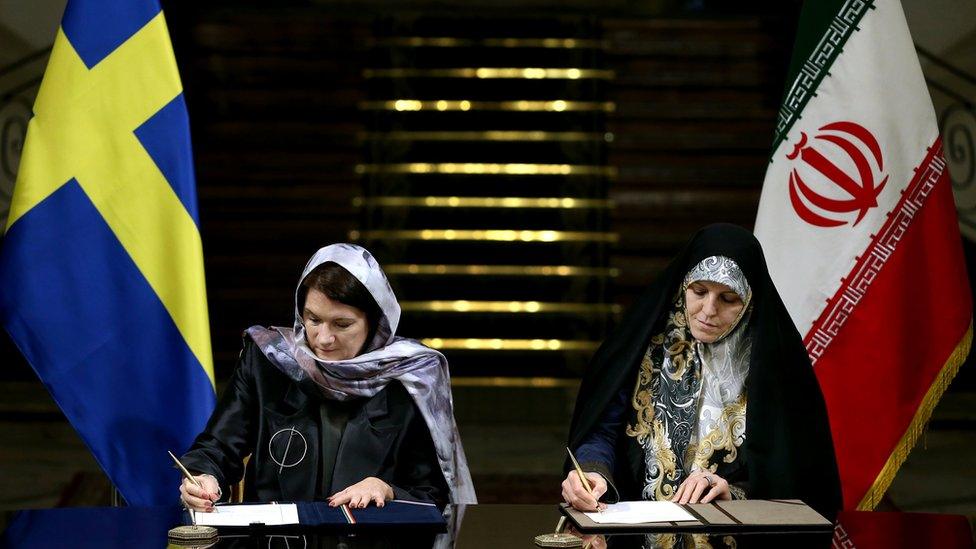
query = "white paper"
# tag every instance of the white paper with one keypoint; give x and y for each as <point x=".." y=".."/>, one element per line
<point x="637" y="512"/>
<point x="242" y="515"/>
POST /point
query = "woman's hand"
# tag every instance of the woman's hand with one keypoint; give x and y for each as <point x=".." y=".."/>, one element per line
<point x="593" y="541"/>
<point x="360" y="494"/>
<point x="702" y="487"/>
<point x="197" y="498"/>
<point x="576" y="495"/>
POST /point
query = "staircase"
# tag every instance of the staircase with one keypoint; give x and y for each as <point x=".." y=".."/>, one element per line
<point x="485" y="190"/>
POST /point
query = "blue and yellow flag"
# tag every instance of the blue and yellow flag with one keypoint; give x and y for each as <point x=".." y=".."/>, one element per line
<point x="101" y="265"/>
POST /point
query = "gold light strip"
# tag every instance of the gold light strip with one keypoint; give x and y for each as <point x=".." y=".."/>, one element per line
<point x="489" y="136"/>
<point x="522" y="382"/>
<point x="483" y="202"/>
<point x="450" y="42"/>
<point x="518" y="307"/>
<point x="499" y="270"/>
<point x="528" y="73"/>
<point x="443" y="105"/>
<point x="493" y="235"/>
<point x="475" y="344"/>
<point x="474" y="168"/>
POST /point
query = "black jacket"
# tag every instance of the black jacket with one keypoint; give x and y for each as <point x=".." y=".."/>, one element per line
<point x="385" y="437"/>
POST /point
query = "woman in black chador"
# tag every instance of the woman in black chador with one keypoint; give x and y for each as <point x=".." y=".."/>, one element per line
<point x="705" y="391"/>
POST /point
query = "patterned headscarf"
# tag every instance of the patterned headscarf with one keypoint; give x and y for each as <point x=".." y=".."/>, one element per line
<point x="422" y="370"/>
<point x="722" y="270"/>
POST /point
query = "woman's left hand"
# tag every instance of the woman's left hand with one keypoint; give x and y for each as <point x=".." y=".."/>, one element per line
<point x="359" y="495"/>
<point x="702" y="487"/>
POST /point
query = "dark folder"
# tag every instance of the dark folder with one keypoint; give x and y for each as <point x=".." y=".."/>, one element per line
<point x="739" y="516"/>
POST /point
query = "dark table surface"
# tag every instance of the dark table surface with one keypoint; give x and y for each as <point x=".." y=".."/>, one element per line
<point x="472" y="526"/>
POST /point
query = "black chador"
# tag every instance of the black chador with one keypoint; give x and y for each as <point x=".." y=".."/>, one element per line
<point x="786" y="448"/>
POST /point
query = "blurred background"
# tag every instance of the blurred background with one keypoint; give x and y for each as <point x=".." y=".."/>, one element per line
<point x="517" y="211"/>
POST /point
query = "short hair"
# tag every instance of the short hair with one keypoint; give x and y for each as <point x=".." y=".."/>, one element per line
<point x="340" y="285"/>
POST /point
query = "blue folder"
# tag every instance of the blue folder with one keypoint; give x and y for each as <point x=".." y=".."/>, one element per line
<point x="395" y="513"/>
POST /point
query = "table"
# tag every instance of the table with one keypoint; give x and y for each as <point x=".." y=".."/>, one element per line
<point x="473" y="527"/>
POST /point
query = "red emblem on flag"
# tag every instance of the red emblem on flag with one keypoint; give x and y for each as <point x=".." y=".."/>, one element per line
<point x="822" y="188"/>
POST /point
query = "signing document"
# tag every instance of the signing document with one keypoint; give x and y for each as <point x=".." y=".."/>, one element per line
<point x="270" y="514"/>
<point x="637" y="512"/>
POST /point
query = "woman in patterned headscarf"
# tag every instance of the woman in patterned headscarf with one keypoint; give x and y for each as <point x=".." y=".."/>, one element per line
<point x="705" y="391"/>
<point x="337" y="407"/>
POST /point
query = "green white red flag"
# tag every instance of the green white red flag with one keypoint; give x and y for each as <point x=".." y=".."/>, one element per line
<point x="859" y="228"/>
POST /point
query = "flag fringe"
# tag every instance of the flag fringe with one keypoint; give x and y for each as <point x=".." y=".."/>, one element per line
<point x="918" y="424"/>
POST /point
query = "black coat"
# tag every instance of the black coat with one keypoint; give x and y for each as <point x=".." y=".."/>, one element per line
<point x="385" y="437"/>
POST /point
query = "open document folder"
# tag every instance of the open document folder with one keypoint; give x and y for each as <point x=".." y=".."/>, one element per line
<point x="753" y="515"/>
<point x="639" y="512"/>
<point x="270" y="514"/>
<point x="318" y="513"/>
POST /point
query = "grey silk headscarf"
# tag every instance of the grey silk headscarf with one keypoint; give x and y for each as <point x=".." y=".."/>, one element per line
<point x="422" y="370"/>
<point x="690" y="396"/>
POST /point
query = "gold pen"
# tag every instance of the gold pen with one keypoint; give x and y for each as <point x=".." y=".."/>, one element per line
<point x="582" y="476"/>
<point x="183" y="470"/>
<point x="193" y="515"/>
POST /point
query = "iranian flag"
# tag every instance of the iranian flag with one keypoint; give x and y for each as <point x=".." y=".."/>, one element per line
<point x="858" y="224"/>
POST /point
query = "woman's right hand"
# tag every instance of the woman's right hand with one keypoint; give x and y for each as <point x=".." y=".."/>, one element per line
<point x="197" y="498"/>
<point x="576" y="495"/>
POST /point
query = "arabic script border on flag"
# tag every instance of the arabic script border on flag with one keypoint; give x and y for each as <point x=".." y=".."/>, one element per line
<point x="843" y="25"/>
<point x="882" y="245"/>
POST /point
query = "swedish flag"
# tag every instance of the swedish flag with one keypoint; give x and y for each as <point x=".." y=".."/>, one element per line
<point x="101" y="266"/>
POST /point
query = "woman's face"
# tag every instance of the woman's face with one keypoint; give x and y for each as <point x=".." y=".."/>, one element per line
<point x="711" y="308"/>
<point x="334" y="330"/>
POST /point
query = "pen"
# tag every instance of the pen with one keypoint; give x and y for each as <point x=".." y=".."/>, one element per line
<point x="193" y="516"/>
<point x="183" y="470"/>
<point x="582" y="477"/>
